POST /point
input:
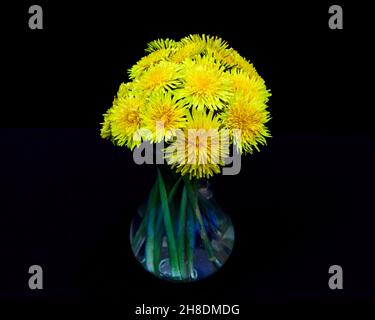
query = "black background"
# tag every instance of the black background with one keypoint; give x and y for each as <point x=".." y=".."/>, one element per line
<point x="301" y="205"/>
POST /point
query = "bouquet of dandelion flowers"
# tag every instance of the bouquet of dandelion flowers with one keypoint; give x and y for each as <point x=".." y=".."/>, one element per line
<point x="202" y="101"/>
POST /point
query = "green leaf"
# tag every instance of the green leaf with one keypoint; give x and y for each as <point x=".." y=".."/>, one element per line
<point x="172" y="192"/>
<point x="193" y="198"/>
<point x="182" y="233"/>
<point x="173" y="257"/>
<point x="150" y="228"/>
<point x="190" y="237"/>
<point x="159" y="229"/>
<point x="139" y="235"/>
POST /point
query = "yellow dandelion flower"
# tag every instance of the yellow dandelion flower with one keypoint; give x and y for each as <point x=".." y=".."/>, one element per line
<point x="218" y="50"/>
<point x="229" y="57"/>
<point x="161" y="44"/>
<point x="204" y="42"/>
<point x="201" y="148"/>
<point x="194" y="38"/>
<point x="126" y="121"/>
<point x="188" y="47"/>
<point x="163" y="75"/>
<point x="215" y="43"/>
<point x="204" y="85"/>
<point x="254" y="87"/>
<point x="105" y="131"/>
<point x="223" y="57"/>
<point x="239" y="81"/>
<point x="244" y="65"/>
<point x="245" y="118"/>
<point x="148" y="61"/>
<point x="162" y="116"/>
<point x="123" y="92"/>
<point x="124" y="89"/>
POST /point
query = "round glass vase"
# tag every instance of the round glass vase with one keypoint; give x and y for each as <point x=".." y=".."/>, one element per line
<point x="180" y="234"/>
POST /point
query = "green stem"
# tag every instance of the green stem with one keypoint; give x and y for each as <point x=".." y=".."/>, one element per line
<point x="193" y="197"/>
<point x="173" y="190"/>
<point x="173" y="257"/>
<point x="182" y="234"/>
<point x="139" y="235"/>
<point x="190" y="235"/>
<point x="159" y="228"/>
<point x="150" y="241"/>
<point x="150" y="234"/>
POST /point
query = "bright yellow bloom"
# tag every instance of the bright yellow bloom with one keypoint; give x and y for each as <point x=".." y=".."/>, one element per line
<point x="126" y="121"/>
<point x="123" y="92"/>
<point x="224" y="57"/>
<point x="204" y="85"/>
<point x="162" y="117"/>
<point x="246" y="117"/>
<point x="161" y="44"/>
<point x="217" y="49"/>
<point x="201" y="148"/>
<point x="188" y="48"/>
<point x="105" y="131"/>
<point x="148" y="61"/>
<point x="254" y="87"/>
<point x="243" y="64"/>
<point x="124" y="89"/>
<point x="162" y="76"/>
<point x="215" y="43"/>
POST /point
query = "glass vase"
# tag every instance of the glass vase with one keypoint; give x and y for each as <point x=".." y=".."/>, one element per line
<point x="180" y="233"/>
